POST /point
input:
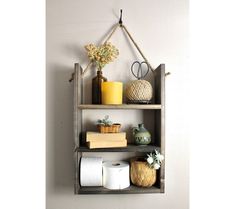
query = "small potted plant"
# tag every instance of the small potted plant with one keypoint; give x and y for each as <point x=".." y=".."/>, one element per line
<point x="143" y="170"/>
<point x="107" y="126"/>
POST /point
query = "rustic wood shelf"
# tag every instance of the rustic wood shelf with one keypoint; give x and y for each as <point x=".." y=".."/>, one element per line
<point x="158" y="131"/>
<point x="130" y="190"/>
<point x="129" y="148"/>
<point x="122" y="106"/>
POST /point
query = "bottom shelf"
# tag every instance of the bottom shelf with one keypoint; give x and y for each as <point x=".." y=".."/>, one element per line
<point x="130" y="190"/>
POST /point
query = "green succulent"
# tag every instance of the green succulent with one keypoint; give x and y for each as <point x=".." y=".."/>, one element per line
<point x="105" y="121"/>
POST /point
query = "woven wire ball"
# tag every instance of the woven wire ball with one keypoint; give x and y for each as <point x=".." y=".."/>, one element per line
<point x="139" y="91"/>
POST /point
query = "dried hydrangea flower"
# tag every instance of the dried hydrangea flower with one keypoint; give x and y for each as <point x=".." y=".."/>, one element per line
<point x="102" y="54"/>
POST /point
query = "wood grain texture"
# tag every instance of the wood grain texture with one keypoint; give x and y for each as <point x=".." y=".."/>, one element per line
<point x="162" y="170"/>
<point x="76" y="167"/>
<point x="75" y="104"/>
<point x="123" y="106"/>
<point x="160" y="119"/>
<point x="129" y="148"/>
<point x="130" y="190"/>
<point x="78" y="98"/>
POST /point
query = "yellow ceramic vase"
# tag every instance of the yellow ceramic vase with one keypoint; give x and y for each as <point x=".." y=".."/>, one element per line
<point x="111" y="92"/>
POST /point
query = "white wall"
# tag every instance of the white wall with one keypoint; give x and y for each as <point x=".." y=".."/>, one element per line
<point x="160" y="27"/>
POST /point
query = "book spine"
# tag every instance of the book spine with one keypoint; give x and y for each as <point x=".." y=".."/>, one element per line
<point x="110" y="137"/>
<point x="93" y="145"/>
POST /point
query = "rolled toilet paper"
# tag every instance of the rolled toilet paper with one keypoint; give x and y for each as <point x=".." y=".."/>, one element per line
<point x="116" y="175"/>
<point x="91" y="171"/>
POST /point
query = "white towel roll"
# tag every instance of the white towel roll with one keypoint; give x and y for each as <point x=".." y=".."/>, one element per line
<point x="91" y="171"/>
<point x="116" y="175"/>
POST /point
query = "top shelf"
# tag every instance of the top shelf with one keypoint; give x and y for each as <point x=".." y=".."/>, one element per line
<point x="122" y="106"/>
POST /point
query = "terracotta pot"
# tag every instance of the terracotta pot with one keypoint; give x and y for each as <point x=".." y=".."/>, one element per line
<point x="141" y="174"/>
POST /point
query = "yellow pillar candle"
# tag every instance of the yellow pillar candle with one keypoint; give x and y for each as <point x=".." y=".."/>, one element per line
<point x="111" y="92"/>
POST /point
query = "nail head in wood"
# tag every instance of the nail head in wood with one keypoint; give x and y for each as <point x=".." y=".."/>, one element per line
<point x="168" y="73"/>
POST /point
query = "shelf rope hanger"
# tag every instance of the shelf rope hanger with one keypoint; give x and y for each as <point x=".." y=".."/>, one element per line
<point x="123" y="27"/>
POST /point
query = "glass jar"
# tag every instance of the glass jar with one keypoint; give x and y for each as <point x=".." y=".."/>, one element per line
<point x="96" y="87"/>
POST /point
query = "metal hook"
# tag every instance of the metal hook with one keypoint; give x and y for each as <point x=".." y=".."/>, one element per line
<point x="120" y="19"/>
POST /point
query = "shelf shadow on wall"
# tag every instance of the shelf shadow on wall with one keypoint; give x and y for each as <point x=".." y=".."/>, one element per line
<point x="60" y="145"/>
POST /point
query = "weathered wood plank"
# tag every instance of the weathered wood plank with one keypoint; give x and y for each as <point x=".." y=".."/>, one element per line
<point x="129" y="148"/>
<point x="123" y="106"/>
<point x="162" y="170"/>
<point x="78" y="98"/>
<point x="77" y="118"/>
<point x="130" y="190"/>
<point x="76" y="167"/>
<point x="160" y="119"/>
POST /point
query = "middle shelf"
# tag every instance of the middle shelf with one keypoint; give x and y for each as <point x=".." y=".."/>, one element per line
<point x="129" y="148"/>
<point x="122" y="106"/>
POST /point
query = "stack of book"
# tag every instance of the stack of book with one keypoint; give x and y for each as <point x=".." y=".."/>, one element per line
<point x="107" y="140"/>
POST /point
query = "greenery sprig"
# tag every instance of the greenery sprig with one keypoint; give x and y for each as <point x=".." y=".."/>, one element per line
<point x="105" y="121"/>
<point x="155" y="159"/>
